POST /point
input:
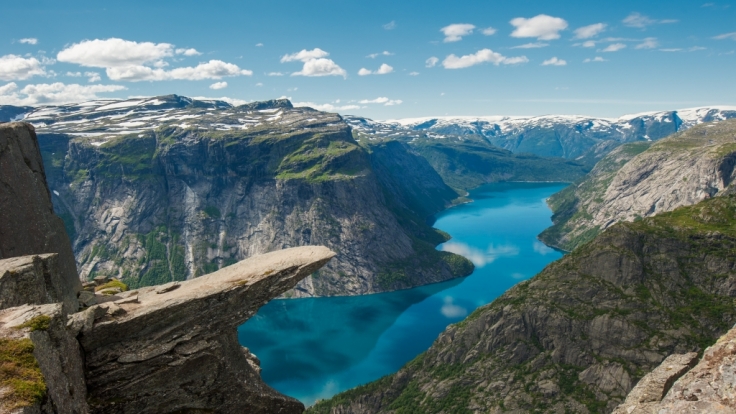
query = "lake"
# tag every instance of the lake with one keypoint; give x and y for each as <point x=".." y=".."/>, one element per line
<point x="313" y="348"/>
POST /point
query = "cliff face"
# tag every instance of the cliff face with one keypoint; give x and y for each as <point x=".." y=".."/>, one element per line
<point x="166" y="349"/>
<point x="578" y="336"/>
<point x="640" y="180"/>
<point x="27" y="222"/>
<point x="200" y="185"/>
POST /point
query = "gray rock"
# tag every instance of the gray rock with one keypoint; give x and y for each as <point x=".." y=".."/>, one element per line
<point x="26" y="211"/>
<point x="31" y="280"/>
<point x="101" y="280"/>
<point x="87" y="298"/>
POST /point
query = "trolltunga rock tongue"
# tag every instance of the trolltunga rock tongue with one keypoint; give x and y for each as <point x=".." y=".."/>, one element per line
<point x="174" y="348"/>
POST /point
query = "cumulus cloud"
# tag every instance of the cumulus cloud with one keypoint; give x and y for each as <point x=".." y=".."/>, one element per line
<point x="542" y="27"/>
<point x="489" y="31"/>
<point x="481" y="56"/>
<point x="13" y="67"/>
<point x="92" y="77"/>
<point x="455" y="32"/>
<point x="554" y="62"/>
<point x="534" y="45"/>
<point x="479" y="257"/>
<point x="382" y="100"/>
<point x="29" y="41"/>
<point x="431" y="62"/>
<point x="214" y="69"/>
<point x="328" y="107"/>
<point x="413" y="73"/>
<point x="375" y="55"/>
<point x="640" y="21"/>
<point x="382" y="70"/>
<point x="188" y="52"/>
<point x="586" y="32"/>
<point x="321" y="67"/>
<point x="274" y="74"/>
<point x="588" y="43"/>
<point x="595" y="59"/>
<point x="305" y="55"/>
<point x="731" y="36"/>
<point x="648" y="43"/>
<point x="52" y="94"/>
<point x="218" y="85"/>
<point x="390" y="25"/>
<point x="114" y="52"/>
<point x="615" y="47"/>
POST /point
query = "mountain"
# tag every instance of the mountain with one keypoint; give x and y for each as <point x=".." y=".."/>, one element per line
<point x="579" y="335"/>
<point x="643" y="179"/>
<point x="168" y="188"/>
<point x="566" y="136"/>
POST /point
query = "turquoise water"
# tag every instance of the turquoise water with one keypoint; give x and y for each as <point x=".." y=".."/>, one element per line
<point x="316" y="347"/>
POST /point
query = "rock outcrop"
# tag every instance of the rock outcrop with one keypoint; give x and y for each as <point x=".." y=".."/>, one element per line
<point x="199" y="185"/>
<point x="165" y="349"/>
<point x="578" y="336"/>
<point x="28" y="224"/>
<point x="641" y="180"/>
<point x="681" y="386"/>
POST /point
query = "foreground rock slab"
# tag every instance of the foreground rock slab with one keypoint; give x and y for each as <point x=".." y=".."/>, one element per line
<point x="176" y="349"/>
<point x="709" y="387"/>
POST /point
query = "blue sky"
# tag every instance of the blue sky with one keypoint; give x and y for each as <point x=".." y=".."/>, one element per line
<point x="490" y="57"/>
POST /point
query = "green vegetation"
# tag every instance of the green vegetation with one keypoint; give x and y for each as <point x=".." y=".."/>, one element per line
<point x="20" y="374"/>
<point x="212" y="212"/>
<point x="38" y="323"/>
<point x="114" y="283"/>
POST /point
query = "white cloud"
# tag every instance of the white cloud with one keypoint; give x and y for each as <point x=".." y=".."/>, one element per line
<point x="455" y="32"/>
<point x="595" y="59"/>
<point x="534" y="45"/>
<point x="382" y="100"/>
<point x="218" y="85"/>
<point x="92" y="77"/>
<point x="231" y="101"/>
<point x="588" y="43"/>
<point x="586" y="32"/>
<point x="214" y="69"/>
<point x="481" y="56"/>
<point x="274" y="74"/>
<point x="670" y="50"/>
<point x="328" y="107"/>
<point x="114" y="52"/>
<point x="73" y="74"/>
<point x="614" y="47"/>
<point x="542" y="27"/>
<point x="696" y="48"/>
<point x="542" y="248"/>
<point x="640" y="21"/>
<point x="413" y="73"/>
<point x="390" y="25"/>
<point x="382" y="70"/>
<point x="431" y="62"/>
<point x="384" y="53"/>
<point x="51" y="94"/>
<point x="14" y="67"/>
<point x="305" y="55"/>
<point x="648" y="43"/>
<point x="29" y="41"/>
<point x="489" y="31"/>
<point x="259" y="44"/>
<point x="554" y="62"/>
<point x="731" y="36"/>
<point x="321" y="67"/>
<point x="188" y="52"/>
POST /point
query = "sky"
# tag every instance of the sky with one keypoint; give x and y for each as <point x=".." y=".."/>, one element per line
<point x="379" y="59"/>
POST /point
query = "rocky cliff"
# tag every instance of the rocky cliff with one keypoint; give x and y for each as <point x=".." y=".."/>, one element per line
<point x="682" y="384"/>
<point x="578" y="336"/>
<point x="169" y="188"/>
<point x="172" y="348"/>
<point x="643" y="179"/>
